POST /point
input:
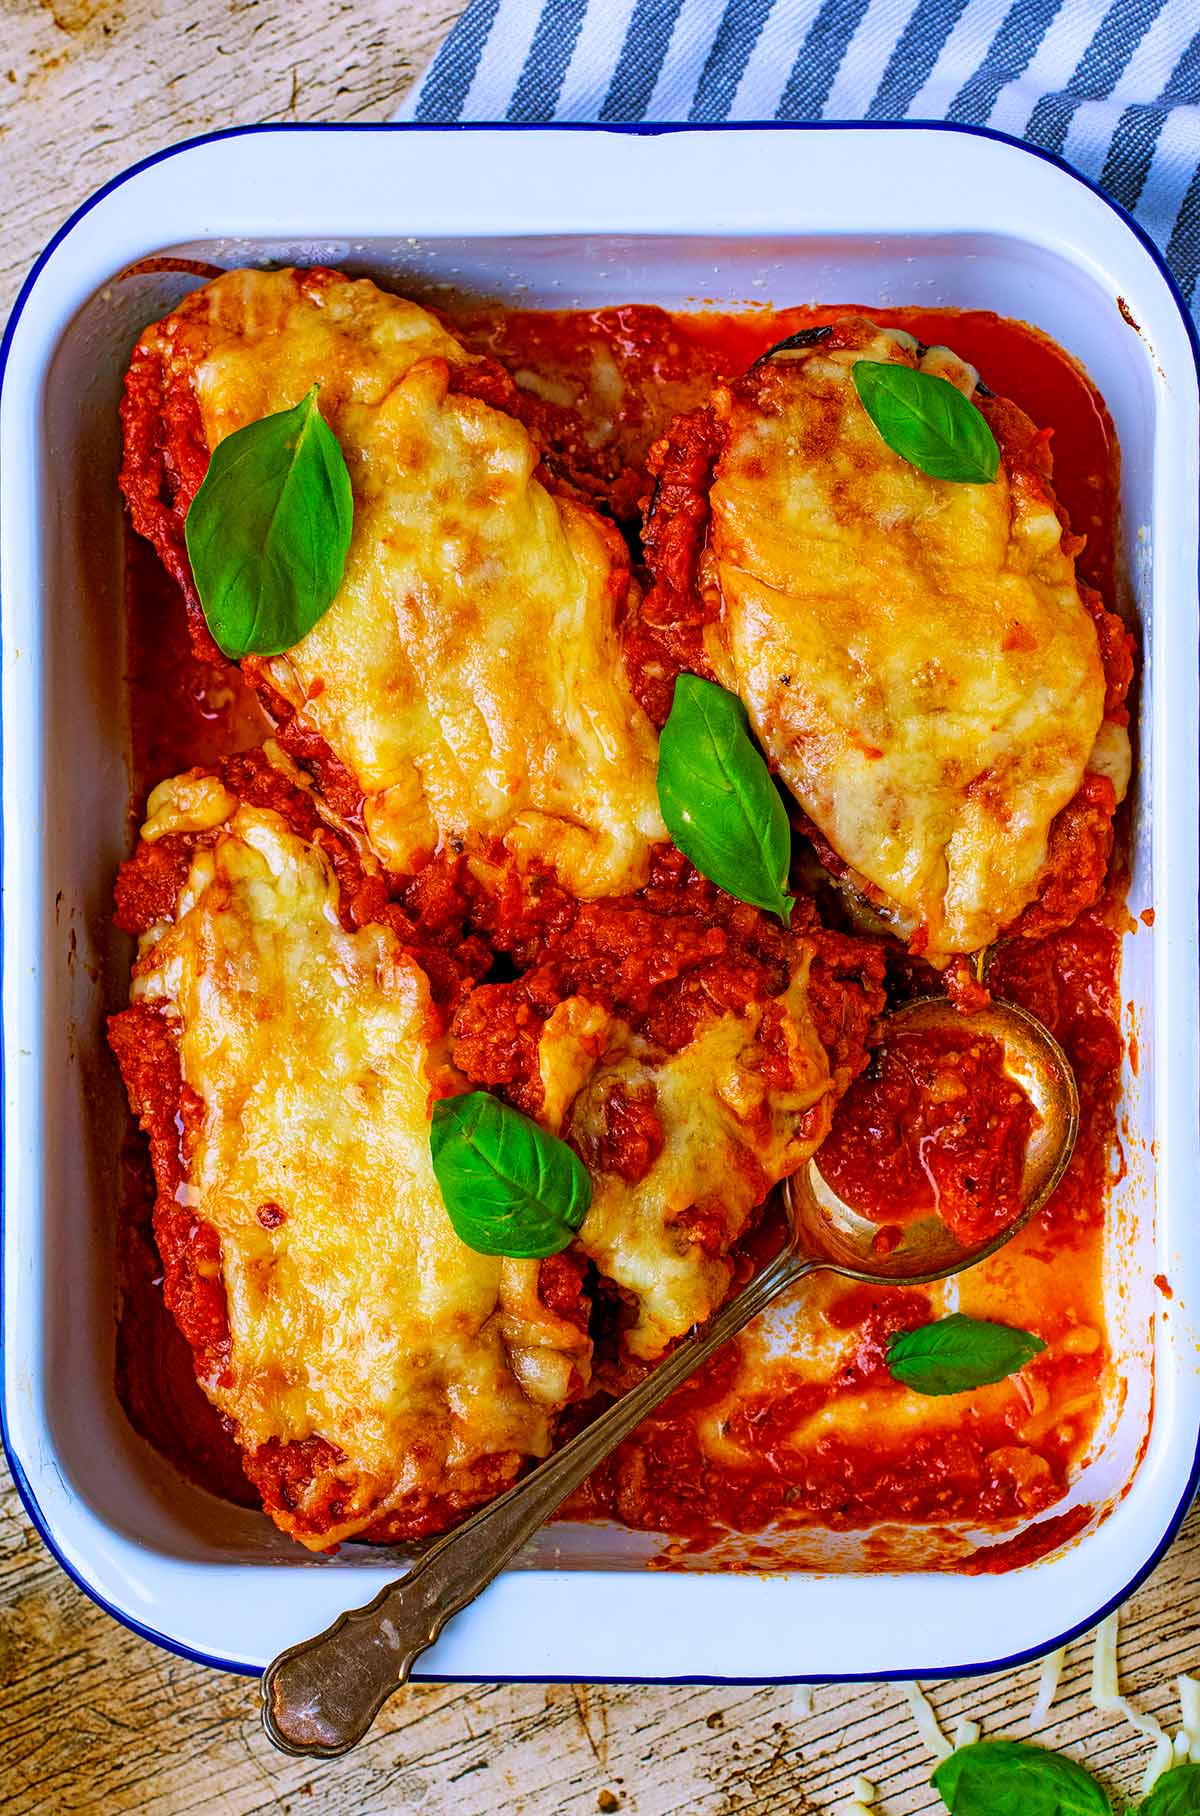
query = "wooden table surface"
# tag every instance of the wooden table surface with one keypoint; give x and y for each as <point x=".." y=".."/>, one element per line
<point x="93" y="1718"/>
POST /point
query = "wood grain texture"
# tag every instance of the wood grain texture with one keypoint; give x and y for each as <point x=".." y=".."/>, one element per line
<point x="87" y="87"/>
<point x="93" y="1718"/>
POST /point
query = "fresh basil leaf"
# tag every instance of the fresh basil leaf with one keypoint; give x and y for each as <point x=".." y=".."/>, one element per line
<point x="927" y="421"/>
<point x="1176" y="1793"/>
<point x="268" y="532"/>
<point x="1014" y="1778"/>
<point x="509" y="1188"/>
<point x="718" y="800"/>
<point x="955" y="1353"/>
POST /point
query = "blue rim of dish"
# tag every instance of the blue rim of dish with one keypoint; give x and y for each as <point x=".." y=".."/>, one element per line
<point x="641" y="130"/>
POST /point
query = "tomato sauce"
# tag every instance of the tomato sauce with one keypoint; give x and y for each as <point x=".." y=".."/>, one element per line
<point x="819" y="1434"/>
<point x="933" y="1127"/>
<point x="820" y="1437"/>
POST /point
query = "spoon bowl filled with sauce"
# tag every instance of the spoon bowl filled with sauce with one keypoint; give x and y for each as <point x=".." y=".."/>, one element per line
<point x="944" y="1148"/>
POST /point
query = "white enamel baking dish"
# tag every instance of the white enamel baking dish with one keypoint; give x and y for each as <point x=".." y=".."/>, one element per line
<point x="557" y="217"/>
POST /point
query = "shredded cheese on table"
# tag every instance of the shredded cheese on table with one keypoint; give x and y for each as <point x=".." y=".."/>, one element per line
<point x="1106" y="1696"/>
<point x="927" y="1722"/>
<point x="1161" y="1760"/>
<point x="862" y="1799"/>
<point x="1047" y="1689"/>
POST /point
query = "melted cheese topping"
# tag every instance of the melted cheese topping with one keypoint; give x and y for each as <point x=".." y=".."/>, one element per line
<point x="316" y="1052"/>
<point x="468" y="672"/>
<point x="728" y="1136"/>
<point x="913" y="653"/>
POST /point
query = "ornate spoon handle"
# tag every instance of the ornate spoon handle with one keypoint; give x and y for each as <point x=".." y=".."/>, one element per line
<point x="321" y="1696"/>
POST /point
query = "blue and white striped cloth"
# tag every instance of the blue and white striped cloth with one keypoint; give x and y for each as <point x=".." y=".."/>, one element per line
<point x="1115" y="92"/>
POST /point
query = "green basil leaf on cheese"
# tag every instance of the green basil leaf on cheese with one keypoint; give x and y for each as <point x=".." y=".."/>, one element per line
<point x="509" y="1187"/>
<point x="269" y="530"/>
<point x="927" y="421"/>
<point x="1014" y="1778"/>
<point x="957" y="1353"/>
<point x="717" y="798"/>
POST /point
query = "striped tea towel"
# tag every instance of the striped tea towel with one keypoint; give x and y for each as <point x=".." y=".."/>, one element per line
<point x="1116" y="92"/>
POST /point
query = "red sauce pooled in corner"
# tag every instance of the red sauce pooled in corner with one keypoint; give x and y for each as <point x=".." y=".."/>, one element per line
<point x="813" y="1430"/>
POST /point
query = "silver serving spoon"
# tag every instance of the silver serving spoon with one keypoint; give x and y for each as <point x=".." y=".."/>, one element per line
<point x="321" y="1696"/>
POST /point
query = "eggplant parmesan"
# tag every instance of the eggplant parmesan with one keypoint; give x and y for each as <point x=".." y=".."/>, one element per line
<point x="689" y="1049"/>
<point x="283" y="1052"/>
<point x="282" y="1055"/>
<point x="917" y="656"/>
<point x="441" y="870"/>
<point x="466" y="681"/>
